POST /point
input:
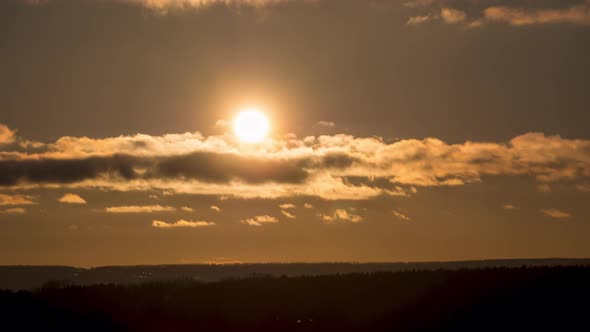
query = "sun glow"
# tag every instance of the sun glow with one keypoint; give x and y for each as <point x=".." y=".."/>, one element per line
<point x="251" y="125"/>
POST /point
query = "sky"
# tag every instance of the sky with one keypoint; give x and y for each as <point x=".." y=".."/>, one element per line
<point x="399" y="130"/>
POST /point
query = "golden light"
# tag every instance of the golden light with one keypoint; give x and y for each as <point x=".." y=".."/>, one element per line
<point x="251" y="125"/>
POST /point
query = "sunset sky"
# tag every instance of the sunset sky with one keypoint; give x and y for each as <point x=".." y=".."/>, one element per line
<point x="397" y="130"/>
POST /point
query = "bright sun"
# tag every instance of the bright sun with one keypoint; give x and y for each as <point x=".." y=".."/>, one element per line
<point x="251" y="126"/>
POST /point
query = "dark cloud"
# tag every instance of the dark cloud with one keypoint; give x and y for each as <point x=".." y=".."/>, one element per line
<point x="201" y="166"/>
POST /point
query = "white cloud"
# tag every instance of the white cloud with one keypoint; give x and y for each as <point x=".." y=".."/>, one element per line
<point x="342" y="215"/>
<point x="308" y="206"/>
<point x="287" y="214"/>
<point x="328" y="124"/>
<point x="6" y="134"/>
<point x="72" y="199"/>
<point x="186" y="209"/>
<point x="452" y="16"/>
<point x="287" y="206"/>
<point x="555" y="213"/>
<point x="139" y="209"/>
<point x="577" y="15"/>
<point x="419" y="19"/>
<point x="215" y="208"/>
<point x="400" y="215"/>
<point x="182" y="223"/>
<point x="15" y="200"/>
<point x="260" y="220"/>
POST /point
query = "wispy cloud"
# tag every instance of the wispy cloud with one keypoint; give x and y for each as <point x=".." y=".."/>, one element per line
<point x="215" y="208"/>
<point x="17" y="210"/>
<point x="139" y="209"/>
<point x="308" y="206"/>
<point x="260" y="220"/>
<point x="287" y="214"/>
<point x="510" y="207"/>
<point x="342" y="215"/>
<point x="186" y="209"/>
<point x="555" y="213"/>
<point x="453" y="16"/>
<point x="72" y="199"/>
<point x="419" y="19"/>
<point x="15" y="200"/>
<point x="543" y="188"/>
<point x="182" y="223"/>
<point x="577" y="14"/>
<point x="400" y="215"/>
<point x="287" y="206"/>
<point x="328" y="124"/>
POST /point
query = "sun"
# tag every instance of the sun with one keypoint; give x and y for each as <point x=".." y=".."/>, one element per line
<point x="251" y="125"/>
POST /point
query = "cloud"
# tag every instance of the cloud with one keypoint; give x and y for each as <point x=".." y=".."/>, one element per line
<point x="577" y="15"/>
<point x="419" y="19"/>
<point x="72" y="199"/>
<point x="288" y="215"/>
<point x="328" y="124"/>
<point x="555" y="213"/>
<point x="333" y="167"/>
<point x="452" y="16"/>
<point x="182" y="223"/>
<point x="164" y="6"/>
<point x="260" y="220"/>
<point x="308" y="206"/>
<point x="186" y="209"/>
<point x="287" y="206"/>
<point x="222" y="124"/>
<point x="400" y="215"/>
<point x="15" y="200"/>
<point x="14" y="211"/>
<point x="215" y="208"/>
<point x="139" y="209"/>
<point x="510" y="207"/>
<point x="342" y="215"/>
<point x="6" y="135"/>
<point x="544" y="188"/>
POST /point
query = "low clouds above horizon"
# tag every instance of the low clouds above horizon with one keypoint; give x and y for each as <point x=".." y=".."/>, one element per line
<point x="330" y="167"/>
<point x="501" y="12"/>
<point x="516" y="13"/>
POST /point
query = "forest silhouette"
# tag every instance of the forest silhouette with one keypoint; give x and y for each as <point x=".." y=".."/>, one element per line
<point x="488" y="299"/>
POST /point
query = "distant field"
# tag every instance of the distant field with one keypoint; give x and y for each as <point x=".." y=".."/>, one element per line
<point x="488" y="299"/>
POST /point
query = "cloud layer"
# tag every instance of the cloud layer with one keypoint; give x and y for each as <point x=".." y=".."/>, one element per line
<point x="329" y="167"/>
<point x="578" y="14"/>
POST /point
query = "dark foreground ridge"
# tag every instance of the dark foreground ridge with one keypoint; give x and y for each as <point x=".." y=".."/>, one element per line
<point x="488" y="299"/>
<point x="32" y="277"/>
